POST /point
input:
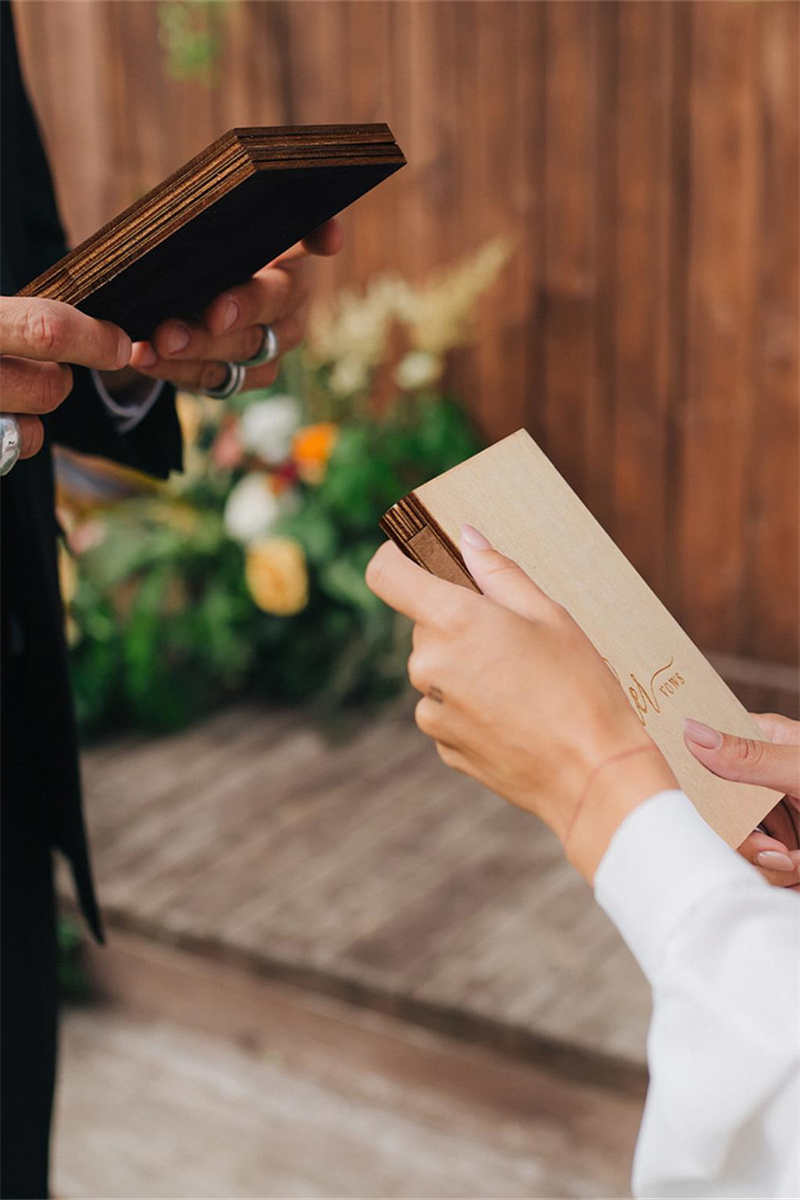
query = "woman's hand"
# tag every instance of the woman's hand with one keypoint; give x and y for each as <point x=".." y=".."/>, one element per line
<point x="515" y="695"/>
<point x="37" y="339"/>
<point x="774" y="763"/>
<point x="193" y="354"/>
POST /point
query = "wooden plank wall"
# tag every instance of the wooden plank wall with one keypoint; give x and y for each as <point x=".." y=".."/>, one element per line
<point x="645" y="158"/>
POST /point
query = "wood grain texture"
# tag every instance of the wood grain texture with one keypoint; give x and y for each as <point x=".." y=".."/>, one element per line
<point x="233" y="208"/>
<point x="644" y="158"/>
<point x="367" y="871"/>
<point x="151" y="1104"/>
<point x="515" y="496"/>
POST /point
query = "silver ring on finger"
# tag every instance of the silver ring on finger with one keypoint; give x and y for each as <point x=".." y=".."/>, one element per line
<point x="10" y="442"/>
<point x="270" y="350"/>
<point x="231" y="384"/>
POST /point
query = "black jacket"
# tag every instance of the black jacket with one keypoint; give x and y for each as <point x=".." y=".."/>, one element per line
<point x="40" y="777"/>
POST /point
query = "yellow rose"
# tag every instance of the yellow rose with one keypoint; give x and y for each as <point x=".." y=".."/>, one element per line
<point x="311" y="449"/>
<point x="275" y="570"/>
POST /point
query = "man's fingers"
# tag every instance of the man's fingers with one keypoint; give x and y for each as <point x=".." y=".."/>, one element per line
<point x="411" y="590"/>
<point x="31" y="435"/>
<point x="29" y="386"/>
<point x="269" y="296"/>
<point x="200" y="376"/>
<point x="178" y="341"/>
<point x="324" y="242"/>
<point x="745" y="760"/>
<point x="50" y="331"/>
<point x="327" y="240"/>
<point x="501" y="579"/>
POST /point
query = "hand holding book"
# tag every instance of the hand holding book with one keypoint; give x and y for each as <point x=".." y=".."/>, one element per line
<point x="193" y="353"/>
<point x="515" y="695"/>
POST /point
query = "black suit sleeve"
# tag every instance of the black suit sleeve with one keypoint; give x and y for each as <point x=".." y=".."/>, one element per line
<point x="83" y="422"/>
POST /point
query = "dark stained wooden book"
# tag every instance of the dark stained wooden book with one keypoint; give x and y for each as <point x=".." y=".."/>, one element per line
<point x="234" y="207"/>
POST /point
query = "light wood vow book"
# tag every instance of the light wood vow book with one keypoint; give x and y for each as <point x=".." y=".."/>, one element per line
<point x="236" y="206"/>
<point x="514" y="495"/>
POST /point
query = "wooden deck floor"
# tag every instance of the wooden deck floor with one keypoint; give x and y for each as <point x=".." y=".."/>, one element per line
<point x="367" y="871"/>
<point x="272" y="1091"/>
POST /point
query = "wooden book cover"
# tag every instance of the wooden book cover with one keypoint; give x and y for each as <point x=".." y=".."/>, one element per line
<point x="233" y="208"/>
<point x="514" y="495"/>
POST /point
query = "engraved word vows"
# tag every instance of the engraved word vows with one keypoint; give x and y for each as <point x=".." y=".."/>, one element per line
<point x="648" y="699"/>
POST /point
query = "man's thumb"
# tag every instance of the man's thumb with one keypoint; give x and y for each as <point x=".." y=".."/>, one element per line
<point x="745" y="760"/>
<point x="500" y="578"/>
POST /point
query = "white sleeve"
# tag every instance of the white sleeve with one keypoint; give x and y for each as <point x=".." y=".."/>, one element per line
<point x="136" y="404"/>
<point x="721" y="949"/>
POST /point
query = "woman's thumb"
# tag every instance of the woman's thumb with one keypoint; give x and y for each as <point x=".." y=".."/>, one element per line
<point x="500" y="578"/>
<point x="745" y="760"/>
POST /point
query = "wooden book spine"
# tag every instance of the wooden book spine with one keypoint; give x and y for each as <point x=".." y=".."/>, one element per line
<point x="411" y="527"/>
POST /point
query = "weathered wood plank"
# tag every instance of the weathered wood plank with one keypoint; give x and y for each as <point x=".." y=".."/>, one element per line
<point x="774" y="527"/>
<point x="646" y="158"/>
<point x="644" y="200"/>
<point x="219" y="1083"/>
<point x="719" y="414"/>
<point x="363" y="869"/>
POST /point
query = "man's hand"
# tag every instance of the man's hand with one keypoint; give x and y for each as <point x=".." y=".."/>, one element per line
<point x="515" y="695"/>
<point x="37" y="338"/>
<point x="193" y="354"/>
<point x="773" y="763"/>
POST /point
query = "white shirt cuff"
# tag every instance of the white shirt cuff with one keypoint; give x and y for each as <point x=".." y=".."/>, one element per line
<point x="661" y="863"/>
<point x="128" y="412"/>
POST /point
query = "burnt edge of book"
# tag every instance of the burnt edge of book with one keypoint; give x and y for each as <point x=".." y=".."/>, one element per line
<point x="230" y="160"/>
<point x="421" y="538"/>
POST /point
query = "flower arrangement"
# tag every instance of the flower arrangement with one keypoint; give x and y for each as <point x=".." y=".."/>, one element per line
<point x="245" y="574"/>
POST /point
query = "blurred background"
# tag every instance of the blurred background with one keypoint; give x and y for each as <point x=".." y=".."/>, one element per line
<point x="596" y="238"/>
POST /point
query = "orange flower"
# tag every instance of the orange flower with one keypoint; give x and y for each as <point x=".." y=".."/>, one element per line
<point x="311" y="449"/>
<point x="276" y="575"/>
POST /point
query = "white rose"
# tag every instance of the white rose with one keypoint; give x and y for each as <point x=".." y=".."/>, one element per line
<point x="266" y="428"/>
<point x="419" y="369"/>
<point x="348" y="376"/>
<point x="252" y="508"/>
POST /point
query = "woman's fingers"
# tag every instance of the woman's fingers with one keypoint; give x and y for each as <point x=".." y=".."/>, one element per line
<point x="777" y="728"/>
<point x="745" y="760"/>
<point x="501" y="579"/>
<point x="412" y="591"/>
<point x="779" y="865"/>
<point x="30" y="386"/>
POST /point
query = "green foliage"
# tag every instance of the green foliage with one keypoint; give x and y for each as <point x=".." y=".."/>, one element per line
<point x="164" y="627"/>
<point x="71" y="975"/>
<point x="189" y="33"/>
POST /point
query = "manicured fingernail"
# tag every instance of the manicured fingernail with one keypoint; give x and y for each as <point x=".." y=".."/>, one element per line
<point x="473" y="538"/>
<point x="702" y="735"/>
<point x="177" y="339"/>
<point x="230" y="315"/>
<point x="773" y="860"/>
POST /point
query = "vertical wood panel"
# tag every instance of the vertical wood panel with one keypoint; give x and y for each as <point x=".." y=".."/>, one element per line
<point x="774" y="529"/>
<point x="645" y="159"/>
<point x="642" y="223"/>
<point x="718" y="414"/>
<point x="570" y="265"/>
